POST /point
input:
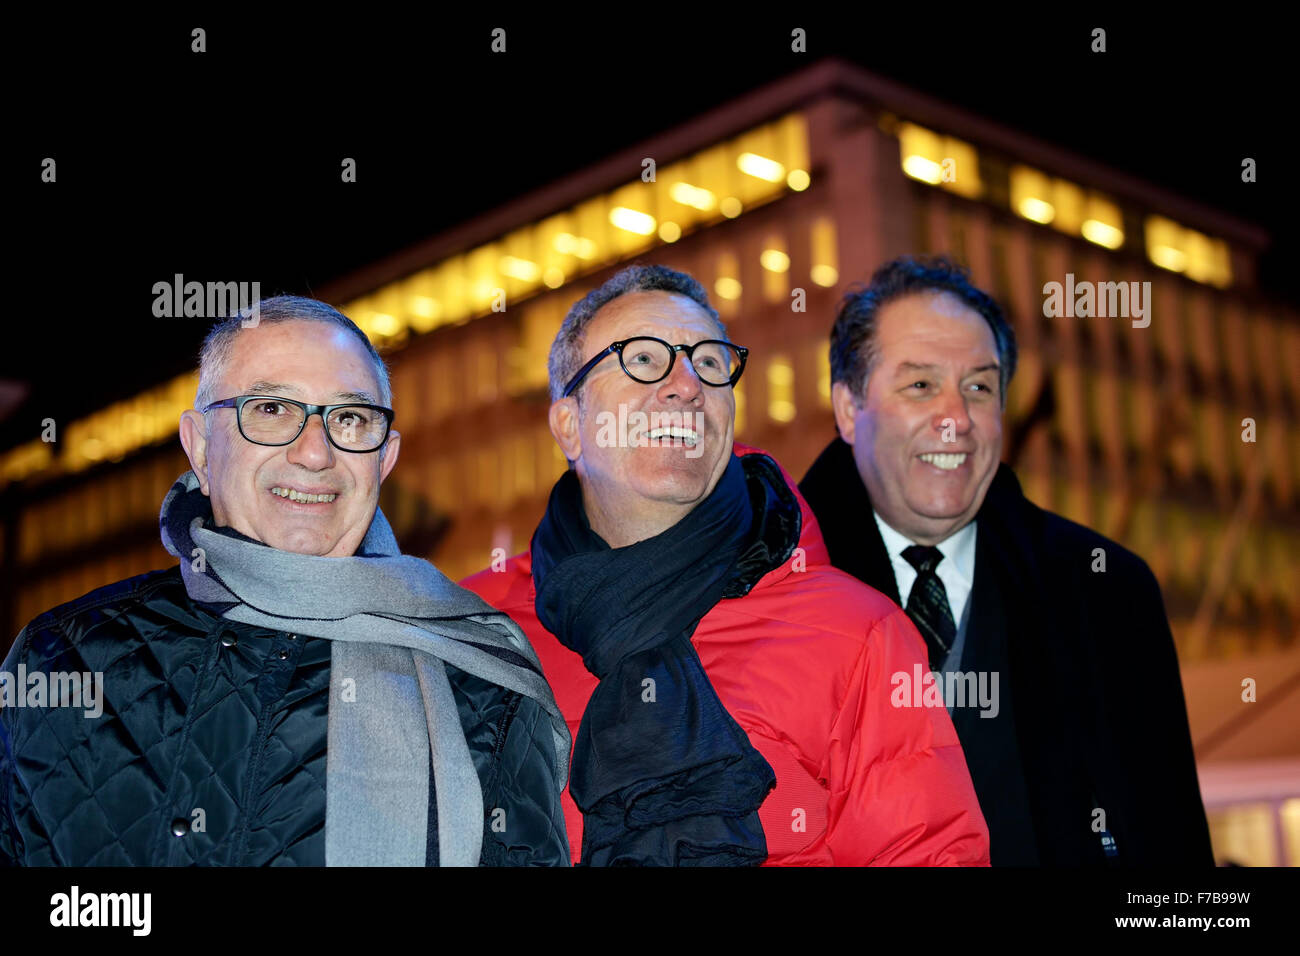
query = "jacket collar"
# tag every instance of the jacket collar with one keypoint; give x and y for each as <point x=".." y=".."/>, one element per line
<point x="802" y="541"/>
<point x="834" y="487"/>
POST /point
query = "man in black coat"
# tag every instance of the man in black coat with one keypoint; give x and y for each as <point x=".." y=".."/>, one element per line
<point x="1077" y="739"/>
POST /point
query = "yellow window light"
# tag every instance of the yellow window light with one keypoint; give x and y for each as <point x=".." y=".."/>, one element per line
<point x="1030" y="194"/>
<point x="728" y="288"/>
<point x="712" y="170"/>
<point x="1036" y="209"/>
<point x="693" y="196"/>
<point x="1163" y="239"/>
<point x="1207" y="259"/>
<point x="1167" y="257"/>
<point x="553" y="277"/>
<point x="922" y="153"/>
<point x="776" y="267"/>
<point x="453" y="292"/>
<point x="571" y="245"/>
<point x="630" y="220"/>
<point x="825" y="269"/>
<point x="670" y="231"/>
<point x="962" y="174"/>
<point x="926" y="170"/>
<point x="780" y="389"/>
<point x="1069" y="204"/>
<point x="425" y="307"/>
<point x="798" y="180"/>
<point x="791" y="139"/>
<point x="1103" y="234"/>
<point x="1104" y="225"/>
<point x="522" y="269"/>
<point x="939" y="160"/>
<point x="824" y="275"/>
<point x="730" y="207"/>
<point x="484" y="280"/>
<point x="760" y="167"/>
<point x="591" y="222"/>
<point x="727" y="284"/>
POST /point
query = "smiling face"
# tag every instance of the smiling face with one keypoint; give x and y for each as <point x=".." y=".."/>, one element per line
<point x="927" y="436"/>
<point x="632" y="493"/>
<point x="311" y="362"/>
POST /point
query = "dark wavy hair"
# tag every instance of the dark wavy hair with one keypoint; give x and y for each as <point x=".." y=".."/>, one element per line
<point x="853" y="335"/>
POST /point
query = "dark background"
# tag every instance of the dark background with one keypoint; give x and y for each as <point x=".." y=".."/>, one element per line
<point x="226" y="164"/>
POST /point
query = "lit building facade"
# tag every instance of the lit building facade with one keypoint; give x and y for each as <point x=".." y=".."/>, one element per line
<point x="778" y="202"/>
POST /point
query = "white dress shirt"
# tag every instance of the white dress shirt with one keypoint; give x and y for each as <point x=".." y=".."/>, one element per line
<point x="956" y="570"/>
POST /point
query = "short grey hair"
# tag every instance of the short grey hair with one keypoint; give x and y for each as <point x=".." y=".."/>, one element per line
<point x="566" y="350"/>
<point x="215" y="354"/>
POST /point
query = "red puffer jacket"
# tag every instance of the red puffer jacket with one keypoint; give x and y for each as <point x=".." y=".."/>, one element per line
<point x="803" y="663"/>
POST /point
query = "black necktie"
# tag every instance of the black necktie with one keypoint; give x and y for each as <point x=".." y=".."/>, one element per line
<point x="927" y="605"/>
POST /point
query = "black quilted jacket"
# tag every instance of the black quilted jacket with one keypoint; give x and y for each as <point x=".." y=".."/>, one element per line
<point x="211" y="746"/>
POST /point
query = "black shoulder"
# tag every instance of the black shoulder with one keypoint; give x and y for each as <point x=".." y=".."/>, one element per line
<point x="119" y="594"/>
<point x="1071" y="541"/>
<point x="161" y="592"/>
<point x="1064" y="547"/>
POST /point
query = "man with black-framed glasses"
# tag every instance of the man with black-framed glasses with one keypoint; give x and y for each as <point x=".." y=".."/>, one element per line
<point x="296" y="691"/>
<point x="728" y="691"/>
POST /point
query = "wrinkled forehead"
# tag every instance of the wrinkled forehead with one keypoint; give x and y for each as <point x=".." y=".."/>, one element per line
<point x="311" y="361"/>
<point x="665" y="315"/>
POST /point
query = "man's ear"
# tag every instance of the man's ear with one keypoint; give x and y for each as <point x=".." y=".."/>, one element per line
<point x="389" y="454"/>
<point x="194" y="439"/>
<point x="563" y="419"/>
<point x="846" y="410"/>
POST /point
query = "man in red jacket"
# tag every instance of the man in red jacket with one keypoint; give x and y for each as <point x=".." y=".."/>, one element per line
<point x="732" y="696"/>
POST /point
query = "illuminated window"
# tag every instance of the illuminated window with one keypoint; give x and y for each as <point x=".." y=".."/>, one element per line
<point x="757" y="157"/>
<point x="424" y="300"/>
<point x="1194" y="254"/>
<point x="776" y="268"/>
<point x="1032" y="195"/>
<point x="940" y="160"/>
<point x="780" y="389"/>
<point x="485" y="283"/>
<point x="592" y="243"/>
<point x="520" y="267"/>
<point x="727" y="284"/>
<point x="1066" y="207"/>
<point x="825" y="259"/>
<point x="1103" y="223"/>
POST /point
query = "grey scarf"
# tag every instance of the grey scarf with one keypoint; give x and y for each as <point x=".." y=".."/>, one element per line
<point x="394" y="620"/>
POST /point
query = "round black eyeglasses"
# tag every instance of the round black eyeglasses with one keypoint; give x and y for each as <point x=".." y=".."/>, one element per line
<point x="271" y="420"/>
<point x="648" y="360"/>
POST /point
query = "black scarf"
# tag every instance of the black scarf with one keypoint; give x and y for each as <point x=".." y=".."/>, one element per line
<point x="662" y="773"/>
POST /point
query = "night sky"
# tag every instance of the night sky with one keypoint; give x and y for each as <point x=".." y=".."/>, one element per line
<point x="226" y="164"/>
